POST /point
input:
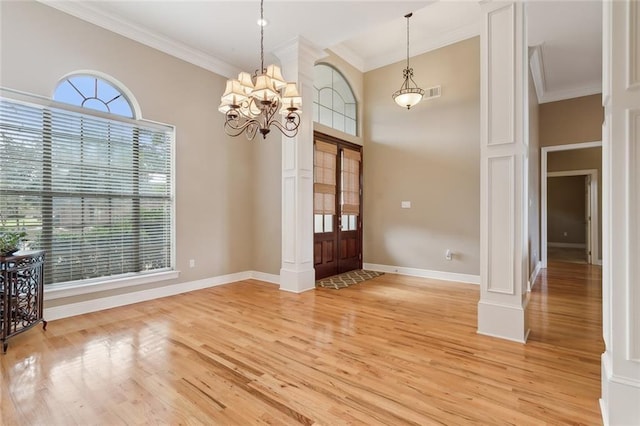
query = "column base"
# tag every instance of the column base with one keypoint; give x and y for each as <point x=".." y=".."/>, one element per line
<point x="503" y="321"/>
<point x="620" y="396"/>
<point x="297" y="281"/>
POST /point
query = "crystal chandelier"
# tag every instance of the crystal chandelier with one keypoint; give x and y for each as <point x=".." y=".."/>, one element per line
<point x="253" y="104"/>
<point x="409" y="94"/>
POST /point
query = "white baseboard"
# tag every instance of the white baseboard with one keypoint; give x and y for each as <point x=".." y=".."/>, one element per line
<point x="94" y="305"/>
<point x="534" y="275"/>
<point x="425" y="273"/>
<point x="567" y="245"/>
<point x="263" y="276"/>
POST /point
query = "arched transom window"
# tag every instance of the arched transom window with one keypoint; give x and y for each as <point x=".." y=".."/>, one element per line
<point x="334" y="104"/>
<point x="94" y="93"/>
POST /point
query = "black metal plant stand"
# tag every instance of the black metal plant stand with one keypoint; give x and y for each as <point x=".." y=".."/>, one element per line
<point x="21" y="293"/>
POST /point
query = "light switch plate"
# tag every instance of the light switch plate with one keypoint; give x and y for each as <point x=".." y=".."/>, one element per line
<point x="406" y="204"/>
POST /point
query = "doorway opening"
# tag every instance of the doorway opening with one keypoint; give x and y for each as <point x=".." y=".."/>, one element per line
<point x="572" y="216"/>
<point x="337" y="206"/>
<point x="570" y="203"/>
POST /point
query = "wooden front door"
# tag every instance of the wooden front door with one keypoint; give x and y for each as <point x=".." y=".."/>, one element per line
<point x="337" y="206"/>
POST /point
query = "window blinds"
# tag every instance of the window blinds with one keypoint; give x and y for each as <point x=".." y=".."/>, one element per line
<point x="95" y="193"/>
<point x="324" y="174"/>
<point x="350" y="182"/>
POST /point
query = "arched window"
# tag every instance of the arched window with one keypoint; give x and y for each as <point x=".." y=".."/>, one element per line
<point x="93" y="190"/>
<point x="92" y="92"/>
<point x="334" y="104"/>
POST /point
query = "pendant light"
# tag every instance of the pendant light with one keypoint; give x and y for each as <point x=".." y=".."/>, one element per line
<point x="409" y="94"/>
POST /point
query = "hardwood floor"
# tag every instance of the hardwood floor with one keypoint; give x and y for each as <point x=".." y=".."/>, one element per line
<point x="393" y="350"/>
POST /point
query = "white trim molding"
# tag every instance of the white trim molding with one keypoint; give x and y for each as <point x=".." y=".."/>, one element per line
<point x="418" y="47"/>
<point x="87" y="12"/>
<point x="94" y="305"/>
<point x="534" y="275"/>
<point x="101" y="303"/>
<point x="423" y="273"/>
<point x="536" y="63"/>
<point x="263" y="276"/>
<point x="59" y="291"/>
<point x="567" y="245"/>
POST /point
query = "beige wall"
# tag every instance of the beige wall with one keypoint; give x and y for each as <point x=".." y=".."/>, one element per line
<point x="429" y="155"/>
<point x="571" y="121"/>
<point x="566" y="203"/>
<point x="214" y="178"/>
<point x="534" y="177"/>
<point x="580" y="159"/>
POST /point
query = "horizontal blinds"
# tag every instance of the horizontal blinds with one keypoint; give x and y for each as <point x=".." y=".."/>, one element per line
<point x="324" y="175"/>
<point x="95" y="193"/>
<point x="350" y="182"/>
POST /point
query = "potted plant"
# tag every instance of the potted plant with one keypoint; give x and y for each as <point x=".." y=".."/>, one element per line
<point x="10" y="241"/>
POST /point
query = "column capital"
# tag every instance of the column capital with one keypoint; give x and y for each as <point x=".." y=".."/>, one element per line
<point x="296" y="52"/>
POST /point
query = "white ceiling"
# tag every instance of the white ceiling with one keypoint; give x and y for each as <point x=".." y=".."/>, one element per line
<point x="223" y="36"/>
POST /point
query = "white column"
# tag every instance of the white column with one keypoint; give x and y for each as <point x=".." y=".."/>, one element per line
<point x="620" y="401"/>
<point x="503" y="172"/>
<point x="297" y="59"/>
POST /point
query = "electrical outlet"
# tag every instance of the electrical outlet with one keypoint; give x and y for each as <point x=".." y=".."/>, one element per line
<point x="192" y="263"/>
<point x="448" y="255"/>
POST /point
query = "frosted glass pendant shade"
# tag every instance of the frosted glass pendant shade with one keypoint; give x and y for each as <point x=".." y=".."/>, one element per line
<point x="407" y="98"/>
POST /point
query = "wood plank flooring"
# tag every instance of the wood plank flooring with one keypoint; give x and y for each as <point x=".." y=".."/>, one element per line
<point x="395" y="350"/>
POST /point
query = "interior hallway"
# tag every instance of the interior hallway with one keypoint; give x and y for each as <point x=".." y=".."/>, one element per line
<point x="392" y="350"/>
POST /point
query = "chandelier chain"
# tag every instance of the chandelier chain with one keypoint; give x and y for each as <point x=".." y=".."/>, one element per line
<point x="408" y="16"/>
<point x="261" y="36"/>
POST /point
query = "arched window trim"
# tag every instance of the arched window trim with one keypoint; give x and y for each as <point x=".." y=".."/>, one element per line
<point x="116" y="84"/>
<point x="353" y="94"/>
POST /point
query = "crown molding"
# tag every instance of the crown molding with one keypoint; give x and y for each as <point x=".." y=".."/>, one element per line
<point x="426" y="45"/>
<point x="576" y="92"/>
<point x="536" y="63"/>
<point x="85" y="11"/>
<point x="349" y="56"/>
<point x="537" y="71"/>
<point x="418" y="47"/>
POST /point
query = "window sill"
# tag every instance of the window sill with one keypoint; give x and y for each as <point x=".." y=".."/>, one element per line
<point x="75" y="289"/>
